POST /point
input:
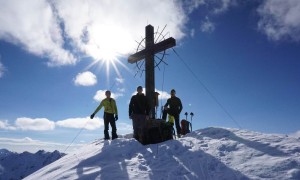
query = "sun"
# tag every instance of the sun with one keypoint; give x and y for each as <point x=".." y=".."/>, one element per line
<point x="106" y="44"/>
<point x="106" y="58"/>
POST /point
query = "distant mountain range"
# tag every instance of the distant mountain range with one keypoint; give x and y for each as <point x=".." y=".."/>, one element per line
<point x="14" y="166"/>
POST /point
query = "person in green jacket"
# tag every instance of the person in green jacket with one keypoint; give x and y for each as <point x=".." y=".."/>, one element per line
<point x="110" y="115"/>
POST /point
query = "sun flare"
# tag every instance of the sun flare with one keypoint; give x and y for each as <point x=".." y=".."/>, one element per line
<point x="106" y="44"/>
<point x="107" y="60"/>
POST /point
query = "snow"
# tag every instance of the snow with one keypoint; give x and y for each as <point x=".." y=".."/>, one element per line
<point x="211" y="153"/>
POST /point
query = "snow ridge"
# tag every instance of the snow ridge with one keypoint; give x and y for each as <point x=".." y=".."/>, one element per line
<point x="211" y="153"/>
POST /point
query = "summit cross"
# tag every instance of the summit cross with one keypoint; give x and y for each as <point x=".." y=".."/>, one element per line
<point x="148" y="54"/>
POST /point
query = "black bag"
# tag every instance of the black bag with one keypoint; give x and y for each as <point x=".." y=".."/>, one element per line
<point x="154" y="135"/>
<point x="185" y="127"/>
<point x="157" y="131"/>
<point x="167" y="131"/>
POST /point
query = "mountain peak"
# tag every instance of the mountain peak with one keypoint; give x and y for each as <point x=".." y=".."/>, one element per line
<point x="18" y="166"/>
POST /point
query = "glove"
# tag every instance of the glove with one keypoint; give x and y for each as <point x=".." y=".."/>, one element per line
<point x="116" y="117"/>
<point x="92" y="116"/>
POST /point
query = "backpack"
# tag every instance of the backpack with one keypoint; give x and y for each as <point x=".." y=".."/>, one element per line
<point x="185" y="127"/>
<point x="156" y="131"/>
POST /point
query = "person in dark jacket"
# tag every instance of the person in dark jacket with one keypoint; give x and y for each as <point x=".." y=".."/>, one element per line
<point x="173" y="107"/>
<point x="139" y="112"/>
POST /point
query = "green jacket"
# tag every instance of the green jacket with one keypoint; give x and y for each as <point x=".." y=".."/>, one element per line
<point x="109" y="105"/>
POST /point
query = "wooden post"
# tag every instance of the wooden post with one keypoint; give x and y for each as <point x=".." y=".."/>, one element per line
<point x="150" y="82"/>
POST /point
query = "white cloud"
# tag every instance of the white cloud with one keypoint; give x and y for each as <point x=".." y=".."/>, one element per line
<point x="43" y="124"/>
<point x="207" y="26"/>
<point x="38" y="124"/>
<point x="106" y="28"/>
<point x="121" y="90"/>
<point x="124" y="128"/>
<point x="224" y="5"/>
<point x="85" y="79"/>
<point x="60" y="30"/>
<point x="87" y="123"/>
<point x="120" y="80"/>
<point x="33" y="25"/>
<point x="100" y="95"/>
<point x="191" y="5"/>
<point x="27" y="144"/>
<point x="296" y="134"/>
<point x="2" y="69"/>
<point x="163" y="94"/>
<point x="192" y="33"/>
<point x="5" y="125"/>
<point x="20" y="140"/>
<point x="280" y="19"/>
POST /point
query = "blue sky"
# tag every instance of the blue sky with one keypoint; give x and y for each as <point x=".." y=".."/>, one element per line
<point x="56" y="63"/>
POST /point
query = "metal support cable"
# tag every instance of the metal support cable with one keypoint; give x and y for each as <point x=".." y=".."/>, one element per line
<point x="76" y="135"/>
<point x="207" y="90"/>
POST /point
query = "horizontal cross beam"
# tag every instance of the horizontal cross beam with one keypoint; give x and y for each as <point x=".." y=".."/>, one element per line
<point x="156" y="48"/>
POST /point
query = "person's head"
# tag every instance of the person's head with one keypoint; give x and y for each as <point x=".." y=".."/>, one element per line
<point x="107" y="94"/>
<point x="139" y="89"/>
<point x="173" y="92"/>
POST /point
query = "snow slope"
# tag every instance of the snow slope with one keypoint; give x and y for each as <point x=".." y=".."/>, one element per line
<point x="211" y="153"/>
<point x="17" y="166"/>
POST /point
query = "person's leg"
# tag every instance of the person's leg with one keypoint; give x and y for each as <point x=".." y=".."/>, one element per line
<point x="177" y="124"/>
<point x="139" y="127"/>
<point x="106" y="127"/>
<point x="142" y="128"/>
<point x="113" y="128"/>
<point x="135" y="126"/>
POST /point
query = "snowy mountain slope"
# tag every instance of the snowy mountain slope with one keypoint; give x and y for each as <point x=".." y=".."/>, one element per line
<point x="211" y="153"/>
<point x="18" y="166"/>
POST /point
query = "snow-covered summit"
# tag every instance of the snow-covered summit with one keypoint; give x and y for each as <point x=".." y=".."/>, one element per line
<point x="211" y="153"/>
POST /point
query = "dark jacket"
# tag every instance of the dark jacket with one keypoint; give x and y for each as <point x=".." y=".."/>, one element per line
<point x="174" y="104"/>
<point x="139" y="105"/>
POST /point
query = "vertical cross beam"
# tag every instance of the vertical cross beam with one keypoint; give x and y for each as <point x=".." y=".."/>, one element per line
<point x="150" y="82"/>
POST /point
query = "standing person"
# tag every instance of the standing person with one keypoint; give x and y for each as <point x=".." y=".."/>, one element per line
<point x="139" y="111"/>
<point x="173" y="107"/>
<point x="110" y="115"/>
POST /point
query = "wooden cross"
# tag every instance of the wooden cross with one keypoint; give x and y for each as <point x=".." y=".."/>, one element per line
<point x="148" y="54"/>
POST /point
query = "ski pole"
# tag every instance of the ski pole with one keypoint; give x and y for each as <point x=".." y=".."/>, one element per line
<point x="192" y="114"/>
<point x="186" y="114"/>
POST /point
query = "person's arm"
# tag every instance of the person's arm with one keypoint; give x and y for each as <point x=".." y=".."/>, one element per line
<point x="98" y="109"/>
<point x="180" y="106"/>
<point x="167" y="103"/>
<point x="115" y="107"/>
<point x="131" y="106"/>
